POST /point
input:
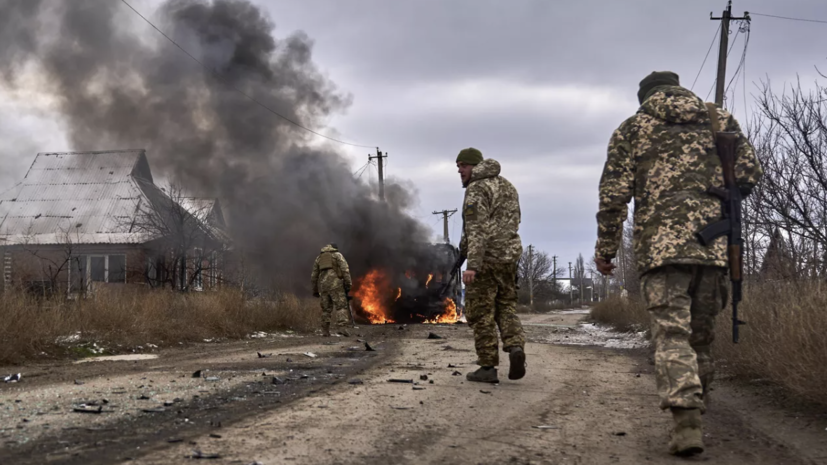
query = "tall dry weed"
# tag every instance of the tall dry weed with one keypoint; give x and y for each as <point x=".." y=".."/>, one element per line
<point x="627" y="314"/>
<point x="785" y="339"/>
<point x="128" y="318"/>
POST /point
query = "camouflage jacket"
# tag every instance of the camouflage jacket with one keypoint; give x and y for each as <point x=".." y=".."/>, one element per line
<point x="664" y="157"/>
<point x="490" y="218"/>
<point x="324" y="280"/>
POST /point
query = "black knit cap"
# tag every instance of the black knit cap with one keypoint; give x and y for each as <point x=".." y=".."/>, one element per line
<point x="655" y="79"/>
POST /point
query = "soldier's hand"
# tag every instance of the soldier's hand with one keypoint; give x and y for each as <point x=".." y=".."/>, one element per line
<point x="468" y="276"/>
<point x="605" y="267"/>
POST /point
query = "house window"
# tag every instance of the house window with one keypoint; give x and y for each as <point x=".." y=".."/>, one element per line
<point x="97" y="269"/>
<point x="199" y="266"/>
<point x="106" y="268"/>
<point x="117" y="269"/>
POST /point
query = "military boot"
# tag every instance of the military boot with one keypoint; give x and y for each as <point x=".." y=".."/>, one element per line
<point x="687" y="437"/>
<point x="516" y="357"/>
<point x="483" y="375"/>
<point x="344" y="333"/>
<point x="326" y="330"/>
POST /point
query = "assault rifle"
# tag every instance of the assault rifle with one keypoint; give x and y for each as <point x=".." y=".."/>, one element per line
<point x="350" y="307"/>
<point x="730" y="225"/>
<point x="454" y="271"/>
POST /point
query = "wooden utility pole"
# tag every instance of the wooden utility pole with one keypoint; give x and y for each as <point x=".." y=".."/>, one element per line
<point x="531" y="276"/>
<point x="571" y="285"/>
<point x="379" y="156"/>
<point x="720" y="82"/>
<point x="445" y="215"/>
<point x="554" y="277"/>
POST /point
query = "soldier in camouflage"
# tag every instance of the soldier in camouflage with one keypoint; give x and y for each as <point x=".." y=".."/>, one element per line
<point x="665" y="158"/>
<point x="491" y="218"/>
<point x="331" y="282"/>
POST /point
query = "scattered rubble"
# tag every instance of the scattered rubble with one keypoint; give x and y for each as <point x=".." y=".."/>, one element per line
<point x="310" y="354"/>
<point x="12" y="378"/>
<point x="197" y="454"/>
<point x="83" y="408"/>
<point x="434" y="336"/>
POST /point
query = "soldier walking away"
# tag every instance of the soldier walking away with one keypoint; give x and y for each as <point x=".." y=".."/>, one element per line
<point x="331" y="282"/>
<point x="491" y="218"/>
<point x="665" y="158"/>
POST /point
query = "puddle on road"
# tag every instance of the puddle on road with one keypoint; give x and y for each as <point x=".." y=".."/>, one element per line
<point x="119" y="358"/>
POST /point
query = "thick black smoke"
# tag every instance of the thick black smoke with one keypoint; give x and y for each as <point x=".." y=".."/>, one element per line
<point x="121" y="85"/>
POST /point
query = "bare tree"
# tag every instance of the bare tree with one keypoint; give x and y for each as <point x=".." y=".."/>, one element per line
<point x="185" y="245"/>
<point x="790" y="138"/>
<point x="53" y="264"/>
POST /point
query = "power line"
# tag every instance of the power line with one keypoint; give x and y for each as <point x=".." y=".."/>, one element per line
<point x="741" y="63"/>
<point x="359" y="172"/>
<point x="789" y="18"/>
<point x="714" y="36"/>
<point x="221" y="78"/>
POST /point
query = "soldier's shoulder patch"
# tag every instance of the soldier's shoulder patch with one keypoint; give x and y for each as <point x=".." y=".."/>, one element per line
<point x="470" y="211"/>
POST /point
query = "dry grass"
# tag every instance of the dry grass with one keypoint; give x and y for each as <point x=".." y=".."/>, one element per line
<point x="126" y="319"/>
<point x="784" y="342"/>
<point x="623" y="314"/>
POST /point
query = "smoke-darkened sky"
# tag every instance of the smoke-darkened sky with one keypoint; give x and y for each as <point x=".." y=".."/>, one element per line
<point x="537" y="85"/>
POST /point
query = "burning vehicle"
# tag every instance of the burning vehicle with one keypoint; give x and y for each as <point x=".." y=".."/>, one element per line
<point x="429" y="292"/>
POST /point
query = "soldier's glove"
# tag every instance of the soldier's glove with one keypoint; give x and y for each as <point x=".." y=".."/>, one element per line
<point x="316" y="294"/>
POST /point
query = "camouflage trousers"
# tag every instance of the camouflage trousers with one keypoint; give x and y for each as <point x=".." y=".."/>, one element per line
<point x="683" y="301"/>
<point x="335" y="309"/>
<point x="491" y="302"/>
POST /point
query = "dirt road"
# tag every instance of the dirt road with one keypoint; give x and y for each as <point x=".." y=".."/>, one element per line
<point x="333" y="403"/>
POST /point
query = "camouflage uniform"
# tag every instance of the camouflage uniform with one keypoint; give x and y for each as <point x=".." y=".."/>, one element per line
<point x="491" y="217"/>
<point x="331" y="280"/>
<point x="664" y="157"/>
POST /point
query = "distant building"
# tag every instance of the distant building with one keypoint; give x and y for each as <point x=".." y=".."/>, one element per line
<point x="82" y="220"/>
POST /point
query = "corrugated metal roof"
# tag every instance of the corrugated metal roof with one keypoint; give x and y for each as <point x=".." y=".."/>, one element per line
<point x="90" y="196"/>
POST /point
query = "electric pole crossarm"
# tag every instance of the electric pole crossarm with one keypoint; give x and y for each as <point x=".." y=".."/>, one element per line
<point x="720" y="80"/>
<point x="445" y="215"/>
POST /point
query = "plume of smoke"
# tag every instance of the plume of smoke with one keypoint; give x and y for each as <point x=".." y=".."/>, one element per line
<point x="119" y="84"/>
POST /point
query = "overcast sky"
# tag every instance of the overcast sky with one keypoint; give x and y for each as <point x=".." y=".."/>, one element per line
<point x="537" y="85"/>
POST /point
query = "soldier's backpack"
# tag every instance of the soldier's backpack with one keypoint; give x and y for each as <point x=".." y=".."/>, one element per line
<point x="327" y="262"/>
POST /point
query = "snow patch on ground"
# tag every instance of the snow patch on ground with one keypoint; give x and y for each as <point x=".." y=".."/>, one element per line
<point x="590" y="334"/>
<point x="119" y="358"/>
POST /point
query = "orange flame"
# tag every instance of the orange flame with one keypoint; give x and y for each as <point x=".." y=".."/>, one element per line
<point x="450" y="315"/>
<point x="369" y="293"/>
<point x="430" y="277"/>
<point x="399" y="294"/>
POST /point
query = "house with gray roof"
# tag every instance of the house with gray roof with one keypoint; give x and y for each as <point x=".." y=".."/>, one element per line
<point x="80" y="220"/>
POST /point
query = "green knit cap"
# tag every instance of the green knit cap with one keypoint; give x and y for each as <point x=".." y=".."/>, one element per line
<point x="470" y="156"/>
<point x="656" y="79"/>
